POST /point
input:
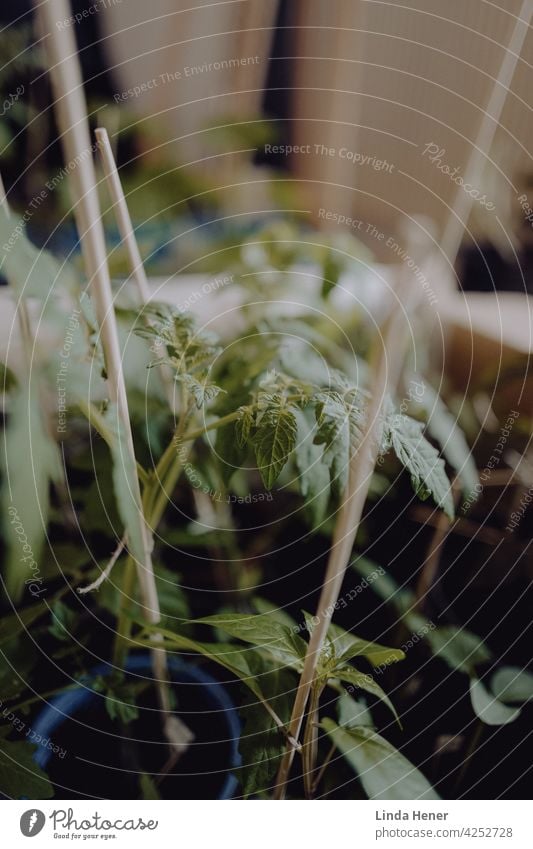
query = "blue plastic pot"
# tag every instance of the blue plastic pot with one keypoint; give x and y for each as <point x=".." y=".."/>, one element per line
<point x="77" y="709"/>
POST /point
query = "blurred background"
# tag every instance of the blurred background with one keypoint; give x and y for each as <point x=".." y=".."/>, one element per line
<point x="382" y="100"/>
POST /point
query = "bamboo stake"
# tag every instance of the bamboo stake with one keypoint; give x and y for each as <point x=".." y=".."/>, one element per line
<point x="71" y="113"/>
<point x="122" y="214"/>
<point x="127" y="234"/>
<point x="463" y="203"/>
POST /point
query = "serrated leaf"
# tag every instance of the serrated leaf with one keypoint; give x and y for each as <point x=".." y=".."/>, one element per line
<point x="274" y="440"/>
<point x="512" y="684"/>
<point x="488" y="708"/>
<point x="365" y="682"/>
<point x="202" y="391"/>
<point x="314" y="475"/>
<point x="382" y="770"/>
<point x="263" y="631"/>
<point x="421" y="459"/>
<point x="30" y="461"/>
<point x="243" y="425"/>
<point x="460" y="648"/>
<point x="339" y="424"/>
<point x="20" y="777"/>
<point x="442" y="426"/>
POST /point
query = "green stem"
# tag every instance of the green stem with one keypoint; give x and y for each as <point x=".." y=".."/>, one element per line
<point x="123" y="631"/>
<point x="194" y="434"/>
<point x="96" y="420"/>
<point x="310" y="742"/>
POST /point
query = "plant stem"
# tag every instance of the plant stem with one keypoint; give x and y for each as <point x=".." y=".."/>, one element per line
<point x="124" y="622"/>
<point x="194" y="434"/>
<point x="168" y="469"/>
<point x="310" y="742"/>
<point x="473" y="745"/>
<point x="324" y="766"/>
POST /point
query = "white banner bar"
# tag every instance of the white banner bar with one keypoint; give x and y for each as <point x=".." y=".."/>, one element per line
<point x="229" y="825"/>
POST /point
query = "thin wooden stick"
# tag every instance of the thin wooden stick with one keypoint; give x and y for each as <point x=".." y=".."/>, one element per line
<point x="464" y="201"/>
<point x="71" y="113"/>
<point x="127" y="234"/>
<point x="122" y="214"/>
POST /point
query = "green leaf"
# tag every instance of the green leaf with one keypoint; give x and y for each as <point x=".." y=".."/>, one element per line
<point x="488" y="708"/>
<point x="119" y="709"/>
<point x="18" y="623"/>
<point x="63" y="622"/>
<point x="443" y="428"/>
<point x="230" y="453"/>
<point x="17" y="661"/>
<point x="384" y="585"/>
<point x="119" y="698"/>
<point x="262" y="744"/>
<point x="243" y="425"/>
<point x="190" y="351"/>
<point x="461" y="649"/>
<point x="20" y="777"/>
<point x="339" y="424"/>
<point x="421" y="459"/>
<point x="31" y="271"/>
<point x="383" y="771"/>
<point x="277" y="614"/>
<point x="347" y="646"/>
<point x="365" y="682"/>
<point x="331" y="271"/>
<point x="512" y="684"/>
<point x="8" y="380"/>
<point x="264" y="631"/>
<point x="202" y="391"/>
<point x="30" y="462"/>
<point x="249" y="665"/>
<point x="275" y="439"/>
<point x="353" y="713"/>
<point x="314" y="475"/>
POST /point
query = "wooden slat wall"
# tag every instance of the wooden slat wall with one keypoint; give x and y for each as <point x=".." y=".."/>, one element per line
<point x="420" y="71"/>
<point x="145" y="40"/>
<point x="380" y="77"/>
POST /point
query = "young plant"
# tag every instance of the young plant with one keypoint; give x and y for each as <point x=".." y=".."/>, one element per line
<point x="296" y="418"/>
